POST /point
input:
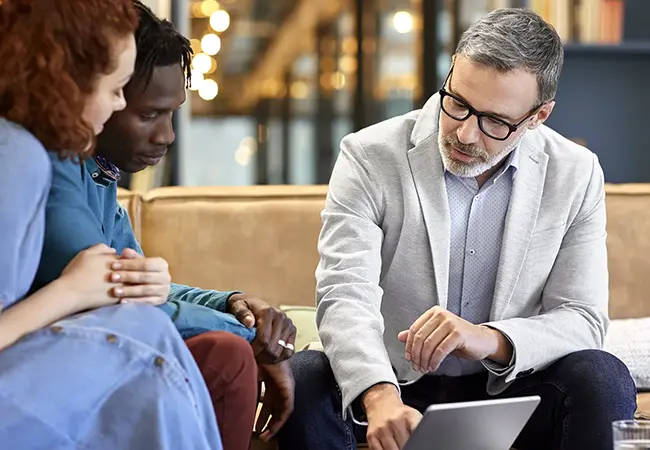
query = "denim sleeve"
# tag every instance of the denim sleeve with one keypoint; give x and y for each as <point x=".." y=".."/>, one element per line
<point x="71" y="226"/>
<point x="23" y="191"/>
<point x="123" y="235"/>
<point x="216" y="300"/>
<point x="192" y="319"/>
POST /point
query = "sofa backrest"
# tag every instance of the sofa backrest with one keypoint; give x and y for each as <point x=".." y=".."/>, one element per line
<point x="628" y="247"/>
<point x="262" y="239"/>
<point x="258" y="239"/>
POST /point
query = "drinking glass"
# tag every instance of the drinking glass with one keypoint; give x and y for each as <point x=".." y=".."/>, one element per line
<point x="631" y="435"/>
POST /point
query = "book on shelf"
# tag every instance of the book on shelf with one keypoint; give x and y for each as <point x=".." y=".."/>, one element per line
<point x="584" y="21"/>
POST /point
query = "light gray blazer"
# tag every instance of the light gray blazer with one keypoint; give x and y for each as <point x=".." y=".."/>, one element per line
<point x="384" y="250"/>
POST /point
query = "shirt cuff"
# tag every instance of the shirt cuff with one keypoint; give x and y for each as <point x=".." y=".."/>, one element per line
<point x="499" y="369"/>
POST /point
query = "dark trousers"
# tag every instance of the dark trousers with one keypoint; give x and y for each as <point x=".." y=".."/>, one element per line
<point x="229" y="369"/>
<point x="581" y="393"/>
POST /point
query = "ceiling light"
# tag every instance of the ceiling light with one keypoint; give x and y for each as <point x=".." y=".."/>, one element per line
<point x="403" y="22"/>
<point x="211" y="44"/>
<point x="196" y="78"/>
<point x="202" y="62"/>
<point x="220" y="21"/>
<point x="208" y="7"/>
<point x="208" y="89"/>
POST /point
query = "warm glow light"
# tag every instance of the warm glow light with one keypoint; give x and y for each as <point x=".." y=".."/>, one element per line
<point x="196" y="45"/>
<point x="403" y="22"/>
<point x="338" y="80"/>
<point x="220" y="21"/>
<point x="202" y="62"/>
<point x="195" y="80"/>
<point x="213" y="66"/>
<point x="348" y="64"/>
<point x="245" y="151"/>
<point x="211" y="44"/>
<point x="208" y="89"/>
<point x="209" y="7"/>
<point x="299" y="89"/>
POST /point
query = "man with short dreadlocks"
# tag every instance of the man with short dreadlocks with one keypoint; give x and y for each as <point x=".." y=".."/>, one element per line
<point x="221" y="328"/>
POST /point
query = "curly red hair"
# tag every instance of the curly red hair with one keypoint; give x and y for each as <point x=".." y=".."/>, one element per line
<point x="51" y="53"/>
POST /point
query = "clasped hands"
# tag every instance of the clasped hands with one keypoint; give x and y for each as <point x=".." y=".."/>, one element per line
<point x="100" y="277"/>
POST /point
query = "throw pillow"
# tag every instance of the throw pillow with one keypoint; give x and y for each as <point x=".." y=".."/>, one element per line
<point x="304" y="318"/>
<point x="629" y="340"/>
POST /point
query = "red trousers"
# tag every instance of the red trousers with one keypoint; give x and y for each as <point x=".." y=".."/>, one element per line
<point x="230" y="372"/>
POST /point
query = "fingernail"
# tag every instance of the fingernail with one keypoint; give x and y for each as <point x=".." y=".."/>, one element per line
<point x="118" y="291"/>
<point x="408" y="356"/>
<point x="116" y="266"/>
<point x="124" y="301"/>
<point x="116" y="277"/>
<point x="415" y="367"/>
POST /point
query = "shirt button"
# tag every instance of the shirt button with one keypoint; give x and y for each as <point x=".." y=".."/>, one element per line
<point x="111" y="339"/>
<point x="472" y="252"/>
<point x="159" y="361"/>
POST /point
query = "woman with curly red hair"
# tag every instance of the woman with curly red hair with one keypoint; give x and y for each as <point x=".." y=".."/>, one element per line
<point x="76" y="371"/>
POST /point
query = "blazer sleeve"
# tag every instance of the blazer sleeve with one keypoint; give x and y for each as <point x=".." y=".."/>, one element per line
<point x="349" y="297"/>
<point x="573" y="316"/>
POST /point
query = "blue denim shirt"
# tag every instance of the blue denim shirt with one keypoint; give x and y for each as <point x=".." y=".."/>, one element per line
<point x="82" y="210"/>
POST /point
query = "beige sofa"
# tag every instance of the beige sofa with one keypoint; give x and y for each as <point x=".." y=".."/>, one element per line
<point x="262" y="239"/>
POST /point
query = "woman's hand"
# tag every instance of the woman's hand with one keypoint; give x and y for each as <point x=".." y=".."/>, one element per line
<point x="88" y="278"/>
<point x="144" y="280"/>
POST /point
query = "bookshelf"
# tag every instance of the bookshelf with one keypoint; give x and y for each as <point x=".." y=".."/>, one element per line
<point x="604" y="91"/>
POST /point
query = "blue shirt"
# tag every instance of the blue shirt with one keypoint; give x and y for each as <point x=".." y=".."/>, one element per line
<point x="82" y="210"/>
<point x="60" y="386"/>
<point x="478" y="218"/>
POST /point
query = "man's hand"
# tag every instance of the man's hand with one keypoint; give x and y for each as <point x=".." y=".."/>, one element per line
<point x="390" y="422"/>
<point x="278" y="399"/>
<point x="276" y="333"/>
<point x="145" y="280"/>
<point x="439" y="333"/>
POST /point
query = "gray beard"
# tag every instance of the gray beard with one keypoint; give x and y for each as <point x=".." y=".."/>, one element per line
<point x="482" y="165"/>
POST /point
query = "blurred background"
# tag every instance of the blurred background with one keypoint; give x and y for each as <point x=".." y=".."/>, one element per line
<point x="276" y="84"/>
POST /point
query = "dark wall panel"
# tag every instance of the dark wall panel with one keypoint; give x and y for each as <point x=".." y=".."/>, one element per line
<point x="604" y="100"/>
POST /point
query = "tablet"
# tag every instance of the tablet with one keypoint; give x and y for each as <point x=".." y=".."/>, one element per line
<point x="481" y="425"/>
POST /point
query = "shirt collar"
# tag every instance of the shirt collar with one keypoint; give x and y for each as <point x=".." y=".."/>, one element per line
<point x="108" y="168"/>
<point x="99" y="173"/>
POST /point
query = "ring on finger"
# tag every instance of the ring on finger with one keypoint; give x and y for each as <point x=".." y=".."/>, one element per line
<point x="282" y="343"/>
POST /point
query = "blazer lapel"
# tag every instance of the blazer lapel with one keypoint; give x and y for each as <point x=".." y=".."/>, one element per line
<point x="428" y="175"/>
<point x="520" y="222"/>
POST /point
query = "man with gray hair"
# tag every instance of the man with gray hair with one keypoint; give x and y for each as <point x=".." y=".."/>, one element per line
<point x="463" y="258"/>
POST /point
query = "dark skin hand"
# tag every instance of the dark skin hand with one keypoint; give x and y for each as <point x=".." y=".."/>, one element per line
<point x="272" y="325"/>
<point x="278" y="399"/>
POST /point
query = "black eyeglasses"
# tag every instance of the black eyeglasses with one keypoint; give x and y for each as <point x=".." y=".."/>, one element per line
<point x="492" y="126"/>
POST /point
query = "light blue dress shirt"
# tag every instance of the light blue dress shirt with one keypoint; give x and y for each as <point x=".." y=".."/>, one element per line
<point x="478" y="218"/>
